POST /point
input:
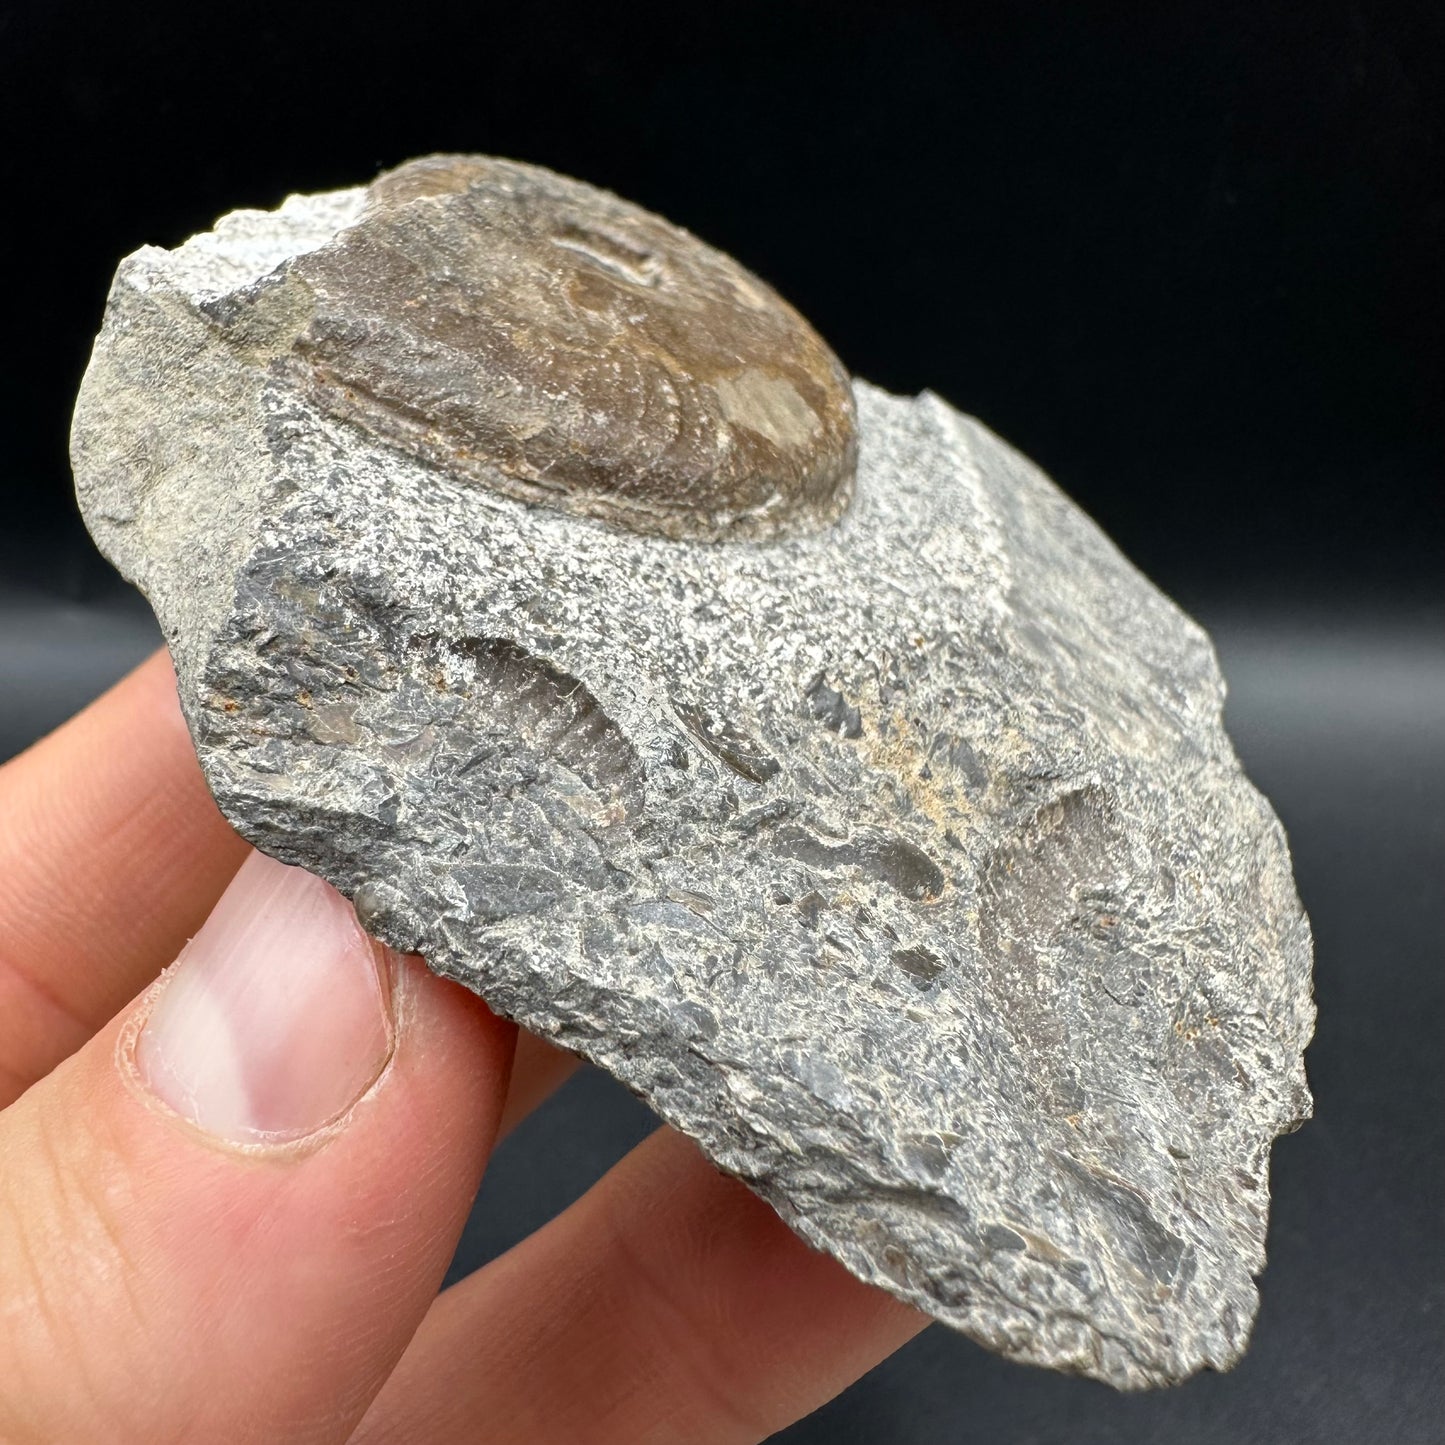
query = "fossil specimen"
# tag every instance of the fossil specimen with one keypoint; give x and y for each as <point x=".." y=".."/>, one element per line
<point x="825" y="775"/>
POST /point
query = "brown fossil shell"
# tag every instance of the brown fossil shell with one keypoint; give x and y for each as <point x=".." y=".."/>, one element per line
<point x="560" y="345"/>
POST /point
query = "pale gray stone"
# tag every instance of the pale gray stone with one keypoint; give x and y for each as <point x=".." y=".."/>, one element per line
<point x="900" y="858"/>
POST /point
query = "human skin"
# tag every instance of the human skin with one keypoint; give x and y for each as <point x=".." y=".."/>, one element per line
<point x="228" y="1197"/>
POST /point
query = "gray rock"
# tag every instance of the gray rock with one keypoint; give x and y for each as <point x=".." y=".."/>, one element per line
<point x="898" y="857"/>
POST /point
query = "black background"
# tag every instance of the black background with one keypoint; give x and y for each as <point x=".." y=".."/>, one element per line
<point x="1188" y="257"/>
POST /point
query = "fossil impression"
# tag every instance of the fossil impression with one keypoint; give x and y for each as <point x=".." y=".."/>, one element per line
<point x="797" y="752"/>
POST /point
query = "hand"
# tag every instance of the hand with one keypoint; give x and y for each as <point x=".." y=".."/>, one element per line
<point x="226" y="1205"/>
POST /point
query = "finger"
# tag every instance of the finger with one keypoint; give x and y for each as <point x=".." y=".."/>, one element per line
<point x="667" y="1304"/>
<point x="538" y="1070"/>
<point x="223" y="1218"/>
<point x="111" y="855"/>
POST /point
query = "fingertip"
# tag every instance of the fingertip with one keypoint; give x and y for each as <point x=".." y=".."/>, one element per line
<point x="258" y="1243"/>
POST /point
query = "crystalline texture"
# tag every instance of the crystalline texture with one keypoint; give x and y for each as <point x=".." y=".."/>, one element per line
<point x="890" y="847"/>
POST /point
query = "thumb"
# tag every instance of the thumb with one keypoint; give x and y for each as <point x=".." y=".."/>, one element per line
<point x="225" y="1216"/>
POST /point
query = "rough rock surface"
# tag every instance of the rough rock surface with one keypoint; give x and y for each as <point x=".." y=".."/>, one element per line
<point x="901" y="859"/>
